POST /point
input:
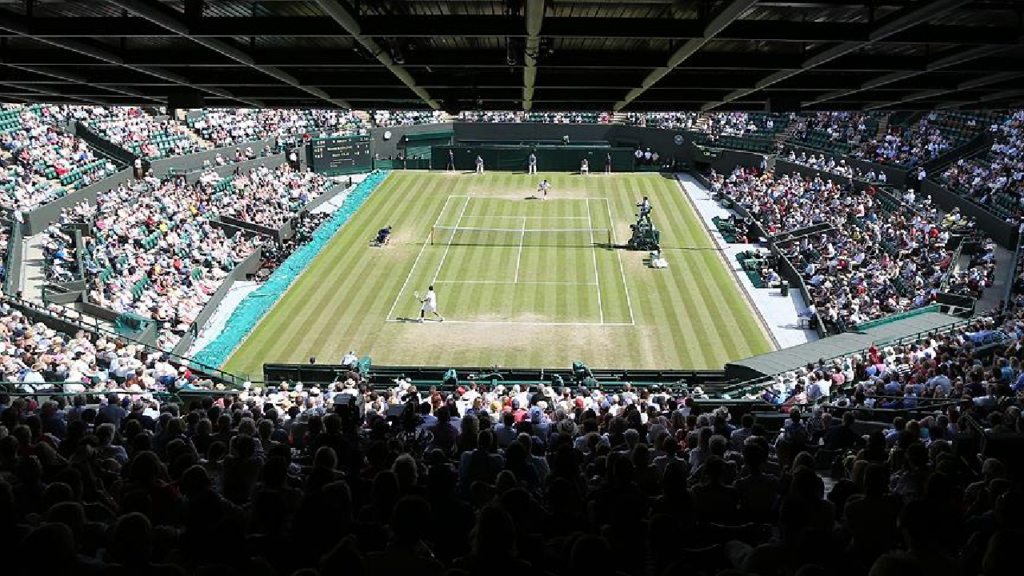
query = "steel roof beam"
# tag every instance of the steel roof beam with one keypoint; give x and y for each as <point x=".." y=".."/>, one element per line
<point x="534" y="22"/>
<point x="939" y="64"/>
<point x="155" y="13"/>
<point x="727" y="15"/>
<point x="967" y="85"/>
<point x="490" y="26"/>
<point x="909" y="17"/>
<point x="52" y="74"/>
<point x="48" y="95"/>
<point x="573" y="60"/>
<point x="16" y="24"/>
<point x="344" y="17"/>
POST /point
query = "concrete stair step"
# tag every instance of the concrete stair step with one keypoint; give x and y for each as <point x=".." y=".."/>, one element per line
<point x="33" y="274"/>
<point x="883" y="127"/>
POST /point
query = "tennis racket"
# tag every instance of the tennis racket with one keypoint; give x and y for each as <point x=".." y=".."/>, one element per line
<point x="416" y="294"/>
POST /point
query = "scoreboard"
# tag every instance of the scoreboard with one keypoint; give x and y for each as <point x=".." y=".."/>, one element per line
<point x="341" y="155"/>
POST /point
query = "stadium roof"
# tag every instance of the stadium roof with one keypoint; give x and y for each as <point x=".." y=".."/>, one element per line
<point x="516" y="54"/>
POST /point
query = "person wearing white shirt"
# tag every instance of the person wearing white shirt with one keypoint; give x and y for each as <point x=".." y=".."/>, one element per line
<point x="429" y="304"/>
<point x="470" y="395"/>
<point x="819" y="389"/>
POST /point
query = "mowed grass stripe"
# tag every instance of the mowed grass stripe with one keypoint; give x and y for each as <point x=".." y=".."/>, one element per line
<point x="679" y="312"/>
<point x="700" y="341"/>
<point x="616" y="303"/>
<point x="334" y="288"/>
<point x="715" y="295"/>
<point x="650" y="346"/>
<point x="737" y="325"/>
<point x="258" y="343"/>
<point x="286" y="326"/>
<point x="689" y="282"/>
<point x="351" y="287"/>
<point x="613" y="296"/>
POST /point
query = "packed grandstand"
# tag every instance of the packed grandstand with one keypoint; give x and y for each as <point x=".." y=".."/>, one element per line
<point x="125" y="456"/>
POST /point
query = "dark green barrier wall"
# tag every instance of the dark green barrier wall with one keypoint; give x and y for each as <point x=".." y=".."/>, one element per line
<point x="549" y="158"/>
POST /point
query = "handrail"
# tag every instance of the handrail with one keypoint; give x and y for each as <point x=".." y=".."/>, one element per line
<point x="14" y="240"/>
<point x="897" y="317"/>
<point x="953" y="266"/>
<point x="1017" y="254"/>
<point x="969" y="423"/>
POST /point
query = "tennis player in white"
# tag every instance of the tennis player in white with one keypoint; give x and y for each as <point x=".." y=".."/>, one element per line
<point x="429" y="304"/>
<point x="543" y="187"/>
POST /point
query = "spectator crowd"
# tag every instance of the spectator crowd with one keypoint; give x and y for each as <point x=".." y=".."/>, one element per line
<point x="155" y="247"/>
<point x="519" y="116"/>
<point x="839" y="131"/>
<point x="139" y="132"/>
<point x="153" y="250"/>
<point x="387" y="118"/>
<point x="42" y="163"/>
<point x="996" y="177"/>
<point x="927" y="139"/>
<point x="827" y="163"/>
<point x="269" y="197"/>
<point x="233" y="126"/>
<point x="473" y="478"/>
<point x="712" y="124"/>
<point x="871" y="256"/>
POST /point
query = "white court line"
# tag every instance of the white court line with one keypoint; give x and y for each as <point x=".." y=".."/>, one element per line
<point x="508" y="282"/>
<point x="449" y="246"/>
<point x="519" y="256"/>
<point x="615" y="242"/>
<point x="514" y="323"/>
<point x="417" y="260"/>
<point x="597" y="276"/>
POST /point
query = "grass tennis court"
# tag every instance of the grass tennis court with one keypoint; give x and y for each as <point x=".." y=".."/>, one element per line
<point x="520" y="282"/>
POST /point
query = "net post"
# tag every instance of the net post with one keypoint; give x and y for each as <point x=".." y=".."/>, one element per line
<point x="609" y="233"/>
<point x="432" y="235"/>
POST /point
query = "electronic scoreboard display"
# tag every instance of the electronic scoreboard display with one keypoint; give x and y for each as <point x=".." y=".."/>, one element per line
<point x="341" y="155"/>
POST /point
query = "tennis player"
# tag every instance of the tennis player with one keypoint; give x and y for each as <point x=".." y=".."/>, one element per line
<point x="429" y="304"/>
<point x="543" y="188"/>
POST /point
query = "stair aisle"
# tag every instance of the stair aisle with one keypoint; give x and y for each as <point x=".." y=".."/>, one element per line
<point x="33" y="274"/>
<point x="883" y="127"/>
